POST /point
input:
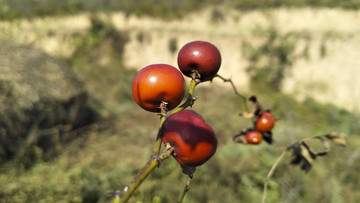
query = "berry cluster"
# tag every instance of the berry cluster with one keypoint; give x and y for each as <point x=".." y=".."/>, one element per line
<point x="263" y="124"/>
<point x="161" y="88"/>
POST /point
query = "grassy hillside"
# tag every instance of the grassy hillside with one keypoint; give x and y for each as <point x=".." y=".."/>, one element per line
<point x="108" y="154"/>
<point x="13" y="9"/>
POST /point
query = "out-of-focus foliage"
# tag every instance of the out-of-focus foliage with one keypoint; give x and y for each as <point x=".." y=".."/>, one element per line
<point x="11" y="9"/>
<point x="270" y="60"/>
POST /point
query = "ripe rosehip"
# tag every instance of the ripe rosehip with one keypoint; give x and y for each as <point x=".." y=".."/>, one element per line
<point x="158" y="83"/>
<point x="194" y="141"/>
<point x="266" y="122"/>
<point x="253" y="137"/>
<point x="199" y="56"/>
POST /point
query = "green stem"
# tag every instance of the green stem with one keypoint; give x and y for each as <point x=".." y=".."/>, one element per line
<point x="156" y="158"/>
<point x="158" y="142"/>
<point x="186" y="189"/>
<point x="149" y="167"/>
<point x="189" y="100"/>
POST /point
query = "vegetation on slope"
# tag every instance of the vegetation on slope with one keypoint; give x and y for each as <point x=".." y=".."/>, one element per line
<point x="109" y="153"/>
<point x="12" y="9"/>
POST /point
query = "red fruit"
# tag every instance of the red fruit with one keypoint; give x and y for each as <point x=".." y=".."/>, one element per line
<point x="199" y="56"/>
<point x="266" y="122"/>
<point x="194" y="141"/>
<point x="253" y="137"/>
<point x="158" y="83"/>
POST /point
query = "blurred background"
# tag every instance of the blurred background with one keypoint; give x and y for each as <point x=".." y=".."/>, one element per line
<point x="71" y="132"/>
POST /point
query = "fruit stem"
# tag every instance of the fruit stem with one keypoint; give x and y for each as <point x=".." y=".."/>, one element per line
<point x="189" y="100"/>
<point x="235" y="90"/>
<point x="153" y="162"/>
<point x="186" y="189"/>
<point x="158" y="141"/>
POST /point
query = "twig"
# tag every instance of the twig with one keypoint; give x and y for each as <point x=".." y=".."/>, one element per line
<point x="189" y="102"/>
<point x="190" y="99"/>
<point x="150" y="166"/>
<point x="186" y="189"/>
<point x="269" y="175"/>
<point x="156" y="158"/>
<point x="157" y="145"/>
<point x="234" y="88"/>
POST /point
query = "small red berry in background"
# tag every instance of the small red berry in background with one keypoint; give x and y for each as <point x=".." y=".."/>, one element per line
<point x="253" y="137"/>
<point x="194" y="141"/>
<point x="200" y="56"/>
<point x="158" y="83"/>
<point x="266" y="122"/>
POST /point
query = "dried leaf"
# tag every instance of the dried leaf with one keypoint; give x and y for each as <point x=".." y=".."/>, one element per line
<point x="302" y="155"/>
<point x="296" y="154"/>
<point x="240" y="138"/>
<point x="268" y="137"/>
<point x="247" y="114"/>
<point x="257" y="109"/>
<point x="326" y="144"/>
<point x="307" y="153"/>
<point x="338" y="138"/>
<point x="321" y="153"/>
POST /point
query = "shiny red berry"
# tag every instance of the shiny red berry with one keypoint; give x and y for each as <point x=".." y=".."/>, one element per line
<point x="266" y="122"/>
<point x="194" y="141"/>
<point x="158" y="83"/>
<point x="200" y="56"/>
<point x="253" y="137"/>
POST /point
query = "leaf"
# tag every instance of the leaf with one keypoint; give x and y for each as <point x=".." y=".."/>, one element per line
<point x="247" y="114"/>
<point x="321" y="153"/>
<point x="302" y="155"/>
<point x="307" y="153"/>
<point x="296" y="154"/>
<point x="240" y="138"/>
<point x="257" y="109"/>
<point x="326" y="144"/>
<point x="268" y="137"/>
<point x="338" y="138"/>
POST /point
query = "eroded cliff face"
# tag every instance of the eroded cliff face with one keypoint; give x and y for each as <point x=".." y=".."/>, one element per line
<point x="325" y="58"/>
